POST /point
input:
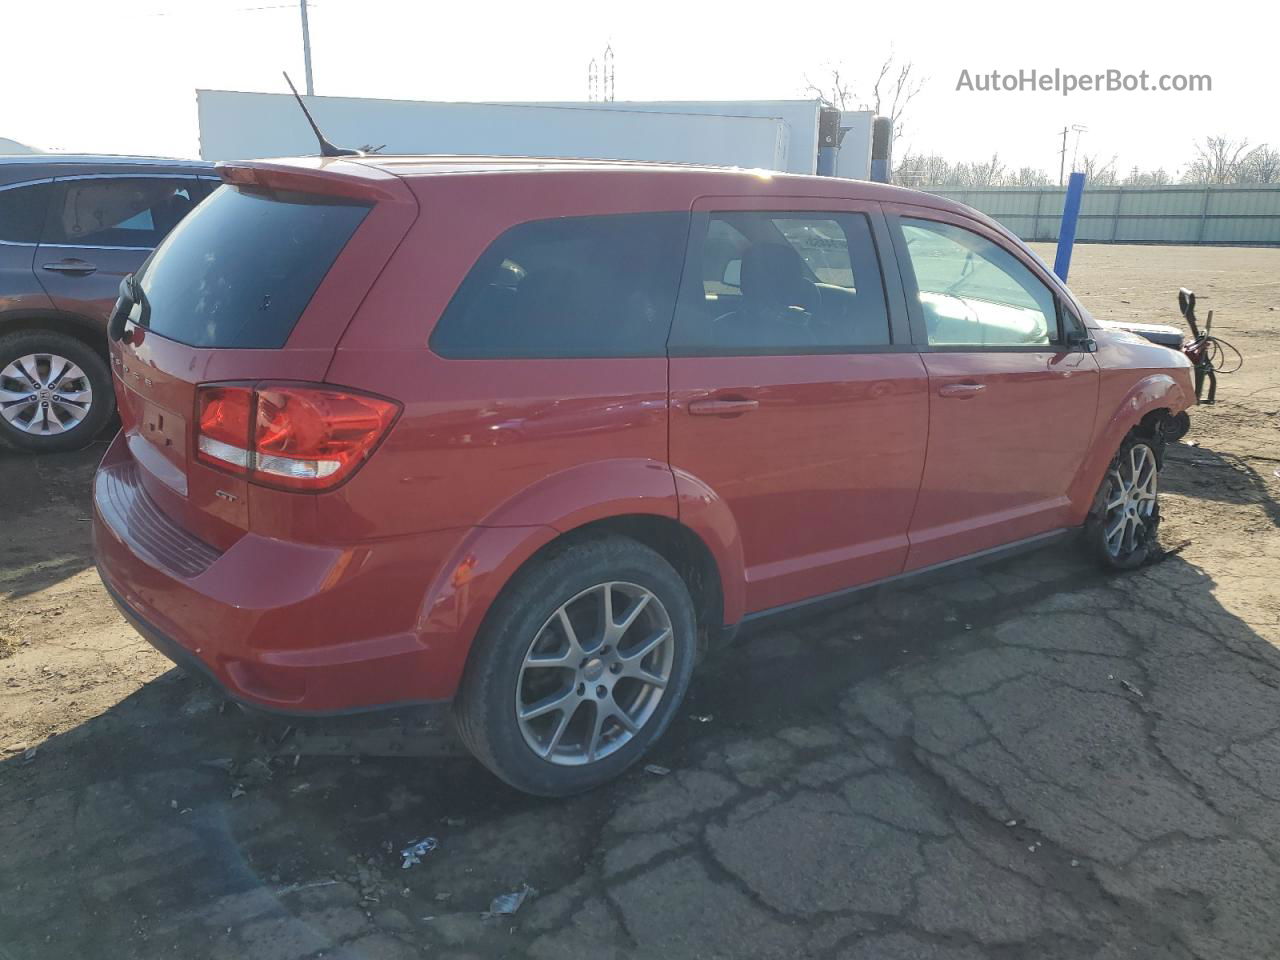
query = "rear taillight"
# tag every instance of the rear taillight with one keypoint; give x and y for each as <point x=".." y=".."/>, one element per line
<point x="289" y="435"/>
<point x="224" y="417"/>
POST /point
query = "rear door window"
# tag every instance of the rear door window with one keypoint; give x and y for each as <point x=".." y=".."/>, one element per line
<point x="572" y="287"/>
<point x="130" y="212"/>
<point x="785" y="283"/>
<point x="22" y="211"/>
<point x="240" y="270"/>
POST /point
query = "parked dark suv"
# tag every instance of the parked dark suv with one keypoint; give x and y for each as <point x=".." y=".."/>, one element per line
<point x="70" y="228"/>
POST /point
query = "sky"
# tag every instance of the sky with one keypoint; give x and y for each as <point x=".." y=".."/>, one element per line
<point x="120" y="76"/>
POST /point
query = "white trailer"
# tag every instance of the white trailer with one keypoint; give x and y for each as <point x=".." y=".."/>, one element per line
<point x="777" y="135"/>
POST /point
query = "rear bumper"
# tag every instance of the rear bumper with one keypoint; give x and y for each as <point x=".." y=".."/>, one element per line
<point x="283" y="627"/>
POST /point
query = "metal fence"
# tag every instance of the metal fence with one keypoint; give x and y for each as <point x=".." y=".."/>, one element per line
<point x="1241" y="215"/>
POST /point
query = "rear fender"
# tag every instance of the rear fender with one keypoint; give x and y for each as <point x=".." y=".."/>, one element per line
<point x="704" y="512"/>
<point x="1158" y="391"/>
<point x="494" y="551"/>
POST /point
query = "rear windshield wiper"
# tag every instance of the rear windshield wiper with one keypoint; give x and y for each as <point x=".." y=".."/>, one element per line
<point x="131" y="295"/>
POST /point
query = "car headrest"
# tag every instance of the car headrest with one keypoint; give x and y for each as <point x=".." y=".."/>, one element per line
<point x="774" y="274"/>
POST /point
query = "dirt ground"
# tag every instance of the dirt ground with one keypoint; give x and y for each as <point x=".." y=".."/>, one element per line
<point x="1036" y="760"/>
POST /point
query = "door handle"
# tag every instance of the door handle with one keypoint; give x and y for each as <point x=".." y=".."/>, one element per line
<point x="961" y="391"/>
<point x="715" y="407"/>
<point x="71" y="266"/>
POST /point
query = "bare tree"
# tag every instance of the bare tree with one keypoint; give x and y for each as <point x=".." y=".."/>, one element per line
<point x="1028" y="177"/>
<point x="895" y="85"/>
<point x="1147" y="178"/>
<point x="921" y="170"/>
<point x="1097" y="172"/>
<point x="1259" y="165"/>
<point x="834" y="90"/>
<point x="1217" y="161"/>
<point x="989" y="173"/>
<point x="893" y="91"/>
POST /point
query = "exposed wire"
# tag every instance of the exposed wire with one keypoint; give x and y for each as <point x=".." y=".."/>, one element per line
<point x="1218" y="349"/>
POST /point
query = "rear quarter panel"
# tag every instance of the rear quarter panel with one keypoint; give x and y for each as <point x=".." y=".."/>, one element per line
<point x="496" y="441"/>
<point x="506" y="454"/>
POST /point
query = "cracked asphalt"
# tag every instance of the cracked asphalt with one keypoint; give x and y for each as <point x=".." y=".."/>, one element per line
<point x="1032" y="760"/>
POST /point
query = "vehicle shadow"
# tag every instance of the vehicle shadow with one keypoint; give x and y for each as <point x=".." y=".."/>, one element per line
<point x="170" y="823"/>
<point x="45" y="506"/>
<point x="1200" y="471"/>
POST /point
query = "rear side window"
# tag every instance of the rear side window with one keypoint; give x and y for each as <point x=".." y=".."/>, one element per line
<point x="240" y="270"/>
<point x="572" y="287"/>
<point x="784" y="283"/>
<point x="22" y="212"/>
<point x="134" y="212"/>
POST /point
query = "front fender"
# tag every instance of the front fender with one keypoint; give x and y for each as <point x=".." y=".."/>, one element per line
<point x="1157" y="391"/>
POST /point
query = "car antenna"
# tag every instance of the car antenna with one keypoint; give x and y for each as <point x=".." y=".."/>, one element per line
<point x="327" y="149"/>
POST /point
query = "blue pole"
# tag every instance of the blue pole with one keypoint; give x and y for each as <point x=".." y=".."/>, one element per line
<point x="1067" y="232"/>
<point x="827" y="161"/>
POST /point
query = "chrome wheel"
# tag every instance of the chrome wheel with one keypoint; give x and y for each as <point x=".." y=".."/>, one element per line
<point x="44" y="394"/>
<point x="1130" y="501"/>
<point x="595" y="673"/>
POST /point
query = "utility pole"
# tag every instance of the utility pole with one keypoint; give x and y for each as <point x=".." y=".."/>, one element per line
<point x="1061" y="163"/>
<point x="306" y="50"/>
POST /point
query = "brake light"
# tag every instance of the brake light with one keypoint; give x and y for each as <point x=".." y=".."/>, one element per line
<point x="224" y="417"/>
<point x="291" y="436"/>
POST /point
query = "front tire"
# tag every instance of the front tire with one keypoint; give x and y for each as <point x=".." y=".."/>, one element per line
<point x="579" y="667"/>
<point x="1122" y="525"/>
<point x="1176" y="427"/>
<point x="55" y="391"/>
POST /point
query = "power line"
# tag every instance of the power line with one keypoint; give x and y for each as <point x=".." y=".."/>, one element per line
<point x="203" y="13"/>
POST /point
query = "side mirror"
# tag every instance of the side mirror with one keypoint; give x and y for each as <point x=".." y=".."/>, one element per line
<point x="1082" y="341"/>
<point x="1187" y="304"/>
<point x="1186" y="301"/>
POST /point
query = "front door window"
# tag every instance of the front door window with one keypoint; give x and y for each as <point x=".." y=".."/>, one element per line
<point x="973" y="292"/>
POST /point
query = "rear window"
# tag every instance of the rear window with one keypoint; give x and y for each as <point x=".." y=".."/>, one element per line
<point x="573" y="287"/>
<point x="132" y="212"/>
<point x="242" y="268"/>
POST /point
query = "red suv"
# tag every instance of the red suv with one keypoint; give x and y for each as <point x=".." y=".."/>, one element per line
<point x="524" y="434"/>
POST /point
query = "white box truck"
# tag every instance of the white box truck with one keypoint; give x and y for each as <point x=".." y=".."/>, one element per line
<point x="781" y="135"/>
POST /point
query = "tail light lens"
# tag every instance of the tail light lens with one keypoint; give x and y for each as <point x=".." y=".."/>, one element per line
<point x="291" y="436"/>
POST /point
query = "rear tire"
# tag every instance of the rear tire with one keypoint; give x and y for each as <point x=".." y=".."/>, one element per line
<point x="553" y="700"/>
<point x="1123" y="522"/>
<point x="55" y="391"/>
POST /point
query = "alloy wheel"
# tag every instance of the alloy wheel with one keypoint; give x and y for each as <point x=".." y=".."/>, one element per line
<point x="44" y="394"/>
<point x="1131" y="500"/>
<point x="594" y="674"/>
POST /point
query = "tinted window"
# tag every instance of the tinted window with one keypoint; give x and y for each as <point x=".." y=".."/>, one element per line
<point x="127" y="212"/>
<point x="783" y="283"/>
<point x="22" y="212"/>
<point x="240" y="270"/>
<point x="573" y="287"/>
<point x="973" y="292"/>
